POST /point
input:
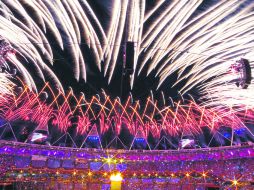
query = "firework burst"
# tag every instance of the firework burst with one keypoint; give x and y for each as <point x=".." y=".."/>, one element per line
<point x="110" y="115"/>
<point x="196" y="39"/>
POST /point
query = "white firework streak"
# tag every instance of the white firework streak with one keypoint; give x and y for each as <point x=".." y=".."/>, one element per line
<point x="6" y="86"/>
<point x="172" y="36"/>
<point x="223" y="91"/>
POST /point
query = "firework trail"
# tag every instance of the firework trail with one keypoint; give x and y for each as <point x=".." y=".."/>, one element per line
<point x="183" y="118"/>
<point x="6" y="86"/>
<point x="193" y="38"/>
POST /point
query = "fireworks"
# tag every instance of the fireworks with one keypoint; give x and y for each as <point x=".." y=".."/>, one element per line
<point x="200" y="48"/>
<point x="169" y="36"/>
<point x="110" y="115"/>
<point x="6" y="85"/>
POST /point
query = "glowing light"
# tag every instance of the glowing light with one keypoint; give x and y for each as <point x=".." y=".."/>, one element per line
<point x="90" y="174"/>
<point x="116" y="181"/>
<point x="108" y="160"/>
<point x="235" y="182"/>
<point x="116" y="177"/>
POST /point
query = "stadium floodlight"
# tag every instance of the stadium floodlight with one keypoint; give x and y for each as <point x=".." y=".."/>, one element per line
<point x="243" y="69"/>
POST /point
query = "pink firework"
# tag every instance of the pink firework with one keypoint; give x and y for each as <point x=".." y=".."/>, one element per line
<point x="110" y="114"/>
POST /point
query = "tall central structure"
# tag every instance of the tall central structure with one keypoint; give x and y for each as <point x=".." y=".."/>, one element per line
<point x="128" y="69"/>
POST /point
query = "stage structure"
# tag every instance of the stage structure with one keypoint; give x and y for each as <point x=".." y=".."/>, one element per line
<point x="225" y="167"/>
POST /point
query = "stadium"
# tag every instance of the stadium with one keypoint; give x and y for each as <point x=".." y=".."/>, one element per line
<point x="126" y="94"/>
